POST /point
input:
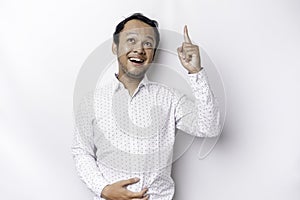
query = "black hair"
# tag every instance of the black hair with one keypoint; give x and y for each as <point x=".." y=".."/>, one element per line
<point x="141" y="17"/>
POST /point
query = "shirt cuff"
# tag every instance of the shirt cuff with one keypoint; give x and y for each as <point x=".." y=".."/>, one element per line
<point x="199" y="81"/>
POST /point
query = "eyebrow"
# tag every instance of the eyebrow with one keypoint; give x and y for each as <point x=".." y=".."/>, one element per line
<point x="148" y="36"/>
<point x="130" y="33"/>
<point x="151" y="38"/>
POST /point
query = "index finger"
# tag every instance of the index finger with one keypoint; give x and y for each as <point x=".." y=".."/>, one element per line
<point x="186" y="35"/>
<point x="128" y="181"/>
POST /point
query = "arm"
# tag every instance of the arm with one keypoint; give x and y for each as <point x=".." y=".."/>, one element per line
<point x="84" y="154"/>
<point x="83" y="149"/>
<point x="202" y="117"/>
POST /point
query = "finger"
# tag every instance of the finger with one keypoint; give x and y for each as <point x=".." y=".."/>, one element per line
<point x="138" y="194"/>
<point x="190" y="49"/>
<point x="145" y="198"/>
<point x="129" y="181"/>
<point x="179" y="49"/>
<point x="186" y="54"/>
<point x="194" y="49"/>
<point x="187" y="59"/>
<point x="190" y="53"/>
<point x="186" y="35"/>
<point x="186" y="44"/>
<point x="180" y="53"/>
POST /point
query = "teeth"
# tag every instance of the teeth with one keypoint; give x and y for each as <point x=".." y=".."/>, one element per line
<point x="136" y="59"/>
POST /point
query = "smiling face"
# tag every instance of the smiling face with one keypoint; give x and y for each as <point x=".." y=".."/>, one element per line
<point x="136" y="49"/>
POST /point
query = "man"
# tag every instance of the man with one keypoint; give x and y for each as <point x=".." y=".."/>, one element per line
<point x="125" y="130"/>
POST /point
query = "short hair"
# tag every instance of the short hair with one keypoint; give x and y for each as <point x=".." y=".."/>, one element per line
<point x="141" y="17"/>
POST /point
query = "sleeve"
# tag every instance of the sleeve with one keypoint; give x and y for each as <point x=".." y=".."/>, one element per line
<point x="202" y="117"/>
<point x="84" y="150"/>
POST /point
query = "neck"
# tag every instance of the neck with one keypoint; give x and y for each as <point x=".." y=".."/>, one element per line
<point x="130" y="83"/>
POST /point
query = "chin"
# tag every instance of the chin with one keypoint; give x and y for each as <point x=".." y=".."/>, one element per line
<point x="137" y="75"/>
<point x="137" y="71"/>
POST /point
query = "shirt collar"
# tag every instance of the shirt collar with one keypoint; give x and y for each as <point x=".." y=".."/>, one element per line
<point x="117" y="84"/>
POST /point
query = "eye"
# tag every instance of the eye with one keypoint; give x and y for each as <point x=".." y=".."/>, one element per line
<point x="131" y="40"/>
<point x="148" y="44"/>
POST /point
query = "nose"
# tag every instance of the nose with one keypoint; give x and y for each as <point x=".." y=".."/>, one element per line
<point x="139" y="49"/>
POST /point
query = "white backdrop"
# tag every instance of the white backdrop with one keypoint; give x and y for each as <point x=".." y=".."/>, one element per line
<point x="254" y="44"/>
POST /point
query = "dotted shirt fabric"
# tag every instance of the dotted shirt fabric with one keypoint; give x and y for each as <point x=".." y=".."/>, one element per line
<point x="118" y="136"/>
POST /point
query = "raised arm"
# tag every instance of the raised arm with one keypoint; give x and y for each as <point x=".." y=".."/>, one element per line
<point x="202" y="117"/>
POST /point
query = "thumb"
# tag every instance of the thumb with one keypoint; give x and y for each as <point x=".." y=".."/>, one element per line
<point x="180" y="54"/>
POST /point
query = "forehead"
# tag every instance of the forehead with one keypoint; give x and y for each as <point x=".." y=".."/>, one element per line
<point x="138" y="27"/>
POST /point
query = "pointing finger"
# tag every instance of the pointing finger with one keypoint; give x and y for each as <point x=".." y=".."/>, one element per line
<point x="186" y="35"/>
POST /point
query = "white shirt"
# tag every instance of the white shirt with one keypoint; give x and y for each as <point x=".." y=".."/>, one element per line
<point x="118" y="136"/>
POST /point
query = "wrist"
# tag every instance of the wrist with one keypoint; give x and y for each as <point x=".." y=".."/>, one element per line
<point x="195" y="71"/>
<point x="104" y="192"/>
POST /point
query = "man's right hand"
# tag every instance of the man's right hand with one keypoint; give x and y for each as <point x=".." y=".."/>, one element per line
<point x="118" y="191"/>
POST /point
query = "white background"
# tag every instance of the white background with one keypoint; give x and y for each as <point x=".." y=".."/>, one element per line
<point x="254" y="44"/>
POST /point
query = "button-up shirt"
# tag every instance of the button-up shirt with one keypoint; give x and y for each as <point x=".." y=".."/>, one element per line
<point x="118" y="136"/>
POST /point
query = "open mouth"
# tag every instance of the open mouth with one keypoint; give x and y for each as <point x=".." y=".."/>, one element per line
<point x="136" y="60"/>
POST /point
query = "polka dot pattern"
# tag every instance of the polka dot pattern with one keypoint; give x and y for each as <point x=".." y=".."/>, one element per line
<point x="118" y="136"/>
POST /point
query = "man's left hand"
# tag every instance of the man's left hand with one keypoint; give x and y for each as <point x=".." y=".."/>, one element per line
<point x="189" y="55"/>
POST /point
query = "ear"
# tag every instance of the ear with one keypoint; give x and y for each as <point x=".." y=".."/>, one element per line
<point x="114" y="48"/>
